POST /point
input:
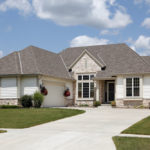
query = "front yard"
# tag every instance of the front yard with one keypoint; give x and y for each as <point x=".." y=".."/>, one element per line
<point x="141" y="127"/>
<point x="133" y="143"/>
<point x="24" y="118"/>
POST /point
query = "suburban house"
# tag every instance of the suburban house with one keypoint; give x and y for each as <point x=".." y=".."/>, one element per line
<point x="93" y="73"/>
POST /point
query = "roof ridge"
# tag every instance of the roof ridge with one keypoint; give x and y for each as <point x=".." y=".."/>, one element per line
<point x="138" y="56"/>
<point x="64" y="64"/>
<point x="94" y="46"/>
<point x="17" y="63"/>
<point x="21" y="69"/>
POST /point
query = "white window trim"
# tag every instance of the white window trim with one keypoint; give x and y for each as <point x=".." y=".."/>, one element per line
<point x="140" y="88"/>
<point x="84" y="81"/>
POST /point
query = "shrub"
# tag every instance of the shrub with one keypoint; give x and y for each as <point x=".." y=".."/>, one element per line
<point x="26" y="101"/>
<point x="113" y="103"/>
<point x="9" y="106"/>
<point x="96" y="103"/>
<point x="83" y="105"/>
<point x="38" y="99"/>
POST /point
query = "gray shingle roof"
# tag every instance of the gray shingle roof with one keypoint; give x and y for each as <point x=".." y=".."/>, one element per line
<point x="34" y="60"/>
<point x="146" y="59"/>
<point x="118" y="59"/>
<point x="10" y="64"/>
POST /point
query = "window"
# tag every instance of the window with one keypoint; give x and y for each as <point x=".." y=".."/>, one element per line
<point x="85" y="86"/>
<point x="85" y="90"/>
<point x="91" y="89"/>
<point x="79" y="90"/>
<point x="85" y="77"/>
<point x="133" y="87"/>
<point x="79" y="77"/>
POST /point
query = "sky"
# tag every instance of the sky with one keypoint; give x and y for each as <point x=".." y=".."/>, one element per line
<point x="55" y="25"/>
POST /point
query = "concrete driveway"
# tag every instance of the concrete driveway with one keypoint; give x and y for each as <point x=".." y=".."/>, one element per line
<point x="90" y="131"/>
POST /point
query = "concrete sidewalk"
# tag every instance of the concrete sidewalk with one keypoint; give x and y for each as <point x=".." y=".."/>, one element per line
<point x="91" y="130"/>
<point x="134" y="135"/>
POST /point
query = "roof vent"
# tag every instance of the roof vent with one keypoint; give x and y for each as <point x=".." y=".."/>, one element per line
<point x="70" y="70"/>
<point x="104" y="68"/>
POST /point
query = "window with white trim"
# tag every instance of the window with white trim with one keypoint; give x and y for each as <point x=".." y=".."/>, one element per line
<point x="85" y="86"/>
<point x="133" y="87"/>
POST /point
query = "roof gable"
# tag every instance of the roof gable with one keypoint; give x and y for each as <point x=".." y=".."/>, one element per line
<point x="86" y="64"/>
<point x="81" y="55"/>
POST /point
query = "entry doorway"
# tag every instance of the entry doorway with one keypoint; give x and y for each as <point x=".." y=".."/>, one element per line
<point x="110" y="91"/>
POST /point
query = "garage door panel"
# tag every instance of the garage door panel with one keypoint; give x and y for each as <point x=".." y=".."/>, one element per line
<point x="55" y="96"/>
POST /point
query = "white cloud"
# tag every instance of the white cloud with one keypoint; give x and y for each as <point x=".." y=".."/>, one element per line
<point x="142" y="45"/>
<point x="1" y="54"/>
<point x="84" y="40"/>
<point x="109" y="32"/>
<point x="146" y="23"/>
<point x="86" y="12"/>
<point x="95" y="13"/>
<point x="23" y="6"/>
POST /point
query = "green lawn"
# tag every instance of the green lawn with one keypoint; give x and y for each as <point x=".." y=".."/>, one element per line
<point x="131" y="143"/>
<point x="24" y="118"/>
<point x="3" y="131"/>
<point x="141" y="127"/>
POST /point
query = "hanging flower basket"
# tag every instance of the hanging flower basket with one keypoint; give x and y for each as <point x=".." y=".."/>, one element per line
<point x="67" y="93"/>
<point x="44" y="90"/>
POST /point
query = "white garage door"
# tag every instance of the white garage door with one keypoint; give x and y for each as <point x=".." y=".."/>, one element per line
<point x="55" y="96"/>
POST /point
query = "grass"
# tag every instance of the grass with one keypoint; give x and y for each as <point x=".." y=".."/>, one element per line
<point x="24" y="118"/>
<point x="131" y="143"/>
<point x="3" y="131"/>
<point x="141" y="127"/>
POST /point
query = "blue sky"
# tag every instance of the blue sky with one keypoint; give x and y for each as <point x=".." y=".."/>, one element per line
<point x="55" y="25"/>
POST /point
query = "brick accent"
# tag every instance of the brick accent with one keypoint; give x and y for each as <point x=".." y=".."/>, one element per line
<point x="84" y="102"/>
<point x="8" y="101"/>
<point x="101" y="90"/>
<point x="132" y="103"/>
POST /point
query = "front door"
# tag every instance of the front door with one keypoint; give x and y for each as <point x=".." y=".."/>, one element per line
<point x="110" y="91"/>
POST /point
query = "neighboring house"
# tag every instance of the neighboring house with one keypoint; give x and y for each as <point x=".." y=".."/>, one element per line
<point x="102" y="73"/>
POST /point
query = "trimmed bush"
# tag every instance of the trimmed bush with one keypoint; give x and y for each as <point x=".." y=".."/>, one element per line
<point x="96" y="103"/>
<point x="113" y="103"/>
<point x="38" y="99"/>
<point x="9" y="106"/>
<point x="26" y="101"/>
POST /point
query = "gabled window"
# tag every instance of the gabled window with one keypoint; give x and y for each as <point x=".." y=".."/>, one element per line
<point x="133" y="87"/>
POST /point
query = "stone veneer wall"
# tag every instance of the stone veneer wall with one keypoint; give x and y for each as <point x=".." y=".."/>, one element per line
<point x="101" y="91"/>
<point x="84" y="102"/>
<point x="8" y="101"/>
<point x="132" y="103"/>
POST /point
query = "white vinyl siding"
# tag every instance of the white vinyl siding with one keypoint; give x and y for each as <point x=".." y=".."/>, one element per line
<point x="146" y="87"/>
<point x="28" y="85"/>
<point x="8" y="88"/>
<point x="119" y="88"/>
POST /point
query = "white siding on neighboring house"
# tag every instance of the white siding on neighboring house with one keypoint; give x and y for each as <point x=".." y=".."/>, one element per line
<point x="119" y="88"/>
<point x="146" y="87"/>
<point x="28" y="85"/>
<point x="8" y="88"/>
<point x="86" y="64"/>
